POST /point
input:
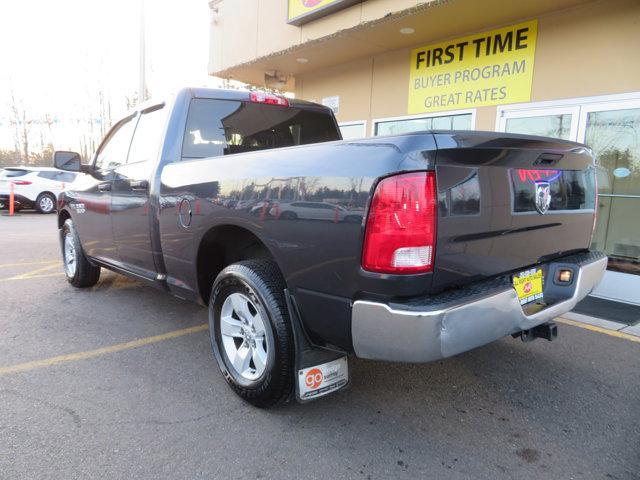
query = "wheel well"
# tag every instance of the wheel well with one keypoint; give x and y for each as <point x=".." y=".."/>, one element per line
<point x="221" y="246"/>
<point x="63" y="216"/>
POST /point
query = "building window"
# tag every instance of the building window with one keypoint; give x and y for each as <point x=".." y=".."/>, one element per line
<point x="558" y="126"/>
<point x="353" y="130"/>
<point x="398" y="126"/>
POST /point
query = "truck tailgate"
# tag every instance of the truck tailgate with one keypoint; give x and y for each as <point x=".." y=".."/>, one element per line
<point x="507" y="202"/>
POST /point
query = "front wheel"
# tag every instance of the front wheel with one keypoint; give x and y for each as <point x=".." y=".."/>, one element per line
<point x="251" y="332"/>
<point x="46" y="203"/>
<point x="79" y="272"/>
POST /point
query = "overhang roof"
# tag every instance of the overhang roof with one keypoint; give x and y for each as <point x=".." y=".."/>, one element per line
<point x="432" y="22"/>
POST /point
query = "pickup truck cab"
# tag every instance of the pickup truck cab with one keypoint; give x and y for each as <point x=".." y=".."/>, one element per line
<point x="307" y="248"/>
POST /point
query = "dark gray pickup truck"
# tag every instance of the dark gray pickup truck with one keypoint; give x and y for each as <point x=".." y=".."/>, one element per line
<point x="307" y="248"/>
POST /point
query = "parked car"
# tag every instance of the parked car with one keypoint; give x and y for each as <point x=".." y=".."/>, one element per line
<point x="467" y="237"/>
<point x="33" y="187"/>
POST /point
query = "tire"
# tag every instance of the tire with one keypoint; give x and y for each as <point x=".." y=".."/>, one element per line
<point x="289" y="215"/>
<point x="46" y="203"/>
<point x="79" y="272"/>
<point x="250" y="294"/>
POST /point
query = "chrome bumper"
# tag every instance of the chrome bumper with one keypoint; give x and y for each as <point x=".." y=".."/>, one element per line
<point x="415" y="333"/>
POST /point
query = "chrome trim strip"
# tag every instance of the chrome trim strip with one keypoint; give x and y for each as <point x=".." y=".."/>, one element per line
<point x="617" y="195"/>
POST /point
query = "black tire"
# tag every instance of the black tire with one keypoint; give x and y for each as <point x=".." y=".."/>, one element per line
<point x="85" y="274"/>
<point x="262" y="283"/>
<point x="45" y="196"/>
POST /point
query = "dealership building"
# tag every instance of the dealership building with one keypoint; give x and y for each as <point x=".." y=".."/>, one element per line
<point x="563" y="68"/>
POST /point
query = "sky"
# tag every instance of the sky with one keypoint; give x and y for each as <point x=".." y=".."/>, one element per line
<point x="58" y="55"/>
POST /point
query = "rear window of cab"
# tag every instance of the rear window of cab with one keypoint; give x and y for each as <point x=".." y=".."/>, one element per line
<point x="222" y="127"/>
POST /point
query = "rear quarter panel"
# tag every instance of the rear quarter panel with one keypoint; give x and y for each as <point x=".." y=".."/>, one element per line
<point x="319" y="257"/>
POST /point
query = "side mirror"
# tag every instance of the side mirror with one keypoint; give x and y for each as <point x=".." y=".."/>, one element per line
<point x="69" y="161"/>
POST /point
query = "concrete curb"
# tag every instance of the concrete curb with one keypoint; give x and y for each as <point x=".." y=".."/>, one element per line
<point x="600" y="325"/>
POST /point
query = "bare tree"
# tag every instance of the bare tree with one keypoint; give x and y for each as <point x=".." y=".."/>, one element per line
<point x="22" y="126"/>
<point x="14" y="120"/>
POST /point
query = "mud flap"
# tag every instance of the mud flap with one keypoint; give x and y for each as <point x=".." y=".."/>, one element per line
<point x="319" y="370"/>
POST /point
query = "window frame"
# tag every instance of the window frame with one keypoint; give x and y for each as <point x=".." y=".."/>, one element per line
<point x="585" y="105"/>
<point x="109" y="136"/>
<point x="139" y="115"/>
<point x="420" y="116"/>
<point x="353" y="123"/>
<point x="573" y="110"/>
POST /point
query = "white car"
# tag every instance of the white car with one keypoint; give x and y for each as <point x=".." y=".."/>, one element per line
<point x="313" y="211"/>
<point x="33" y="187"/>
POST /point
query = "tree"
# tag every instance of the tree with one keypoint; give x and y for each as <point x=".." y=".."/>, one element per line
<point x="22" y="126"/>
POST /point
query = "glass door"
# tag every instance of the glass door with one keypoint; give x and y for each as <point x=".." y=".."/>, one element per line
<point x="612" y="130"/>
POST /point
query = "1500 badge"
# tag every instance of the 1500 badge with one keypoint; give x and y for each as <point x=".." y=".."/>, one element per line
<point x="78" y="207"/>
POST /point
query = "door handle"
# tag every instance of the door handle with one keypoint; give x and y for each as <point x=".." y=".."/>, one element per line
<point x="139" y="184"/>
<point x="104" y="187"/>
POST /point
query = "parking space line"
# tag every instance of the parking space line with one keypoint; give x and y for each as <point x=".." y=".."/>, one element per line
<point x="34" y="272"/>
<point x="31" y="277"/>
<point x="73" y="357"/>
<point x="22" y="264"/>
<point x="37" y="273"/>
<point x="595" y="328"/>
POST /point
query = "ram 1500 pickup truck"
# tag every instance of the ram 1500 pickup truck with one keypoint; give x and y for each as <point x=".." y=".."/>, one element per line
<point x="307" y="248"/>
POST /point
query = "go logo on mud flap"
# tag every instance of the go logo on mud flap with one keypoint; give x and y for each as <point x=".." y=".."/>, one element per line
<point x="313" y="378"/>
<point x="318" y="380"/>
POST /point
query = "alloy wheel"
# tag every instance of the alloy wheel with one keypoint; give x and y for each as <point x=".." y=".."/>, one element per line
<point x="70" y="255"/>
<point x="243" y="336"/>
<point x="46" y="204"/>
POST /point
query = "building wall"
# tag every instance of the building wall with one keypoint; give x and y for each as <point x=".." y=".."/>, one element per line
<point x="582" y="51"/>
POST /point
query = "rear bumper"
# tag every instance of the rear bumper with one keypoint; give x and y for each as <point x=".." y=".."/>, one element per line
<point x="431" y="328"/>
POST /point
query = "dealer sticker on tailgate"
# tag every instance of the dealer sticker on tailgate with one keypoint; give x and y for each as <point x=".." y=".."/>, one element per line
<point x="322" y="379"/>
<point x="529" y="285"/>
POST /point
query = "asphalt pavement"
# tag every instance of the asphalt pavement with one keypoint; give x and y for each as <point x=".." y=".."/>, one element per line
<point x="119" y="381"/>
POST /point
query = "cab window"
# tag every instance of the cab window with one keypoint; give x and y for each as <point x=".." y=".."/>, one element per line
<point x="114" y="150"/>
<point x="148" y="136"/>
<point x="223" y="127"/>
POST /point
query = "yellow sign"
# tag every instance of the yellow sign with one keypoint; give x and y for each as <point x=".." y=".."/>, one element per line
<point x="529" y="285"/>
<point x="489" y="68"/>
<point x="302" y="11"/>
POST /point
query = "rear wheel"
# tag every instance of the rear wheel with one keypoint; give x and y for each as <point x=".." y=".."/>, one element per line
<point x="46" y="203"/>
<point x="80" y="273"/>
<point x="251" y="332"/>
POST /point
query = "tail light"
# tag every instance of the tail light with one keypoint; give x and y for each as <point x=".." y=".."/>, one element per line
<point x="21" y="182"/>
<point x="269" y="99"/>
<point x="400" y="235"/>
